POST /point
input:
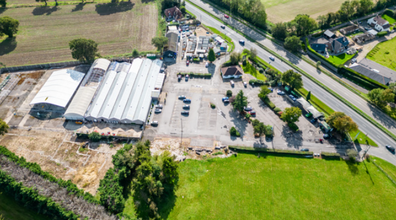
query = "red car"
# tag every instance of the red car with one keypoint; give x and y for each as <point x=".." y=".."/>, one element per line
<point x="226" y="16"/>
<point x="188" y="62"/>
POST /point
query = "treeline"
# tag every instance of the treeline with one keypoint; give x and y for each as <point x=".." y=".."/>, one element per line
<point x="252" y="11"/>
<point x="302" y="24"/>
<point x="153" y="180"/>
<point x="27" y="183"/>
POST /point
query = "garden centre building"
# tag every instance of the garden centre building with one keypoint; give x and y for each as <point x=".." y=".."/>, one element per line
<point x="123" y="96"/>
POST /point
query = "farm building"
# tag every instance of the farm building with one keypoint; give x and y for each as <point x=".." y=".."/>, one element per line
<point x="86" y="92"/>
<point x="58" y="90"/>
<point x="371" y="73"/>
<point x="124" y="96"/>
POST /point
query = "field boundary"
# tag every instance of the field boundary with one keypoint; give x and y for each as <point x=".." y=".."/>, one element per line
<point x="353" y="107"/>
<point x="383" y="171"/>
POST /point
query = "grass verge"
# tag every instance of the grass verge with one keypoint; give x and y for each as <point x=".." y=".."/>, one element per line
<point x="274" y="187"/>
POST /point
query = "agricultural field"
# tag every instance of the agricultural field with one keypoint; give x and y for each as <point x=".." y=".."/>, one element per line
<point x="45" y="32"/>
<point x="272" y="187"/>
<point x="384" y="53"/>
<point x="286" y="10"/>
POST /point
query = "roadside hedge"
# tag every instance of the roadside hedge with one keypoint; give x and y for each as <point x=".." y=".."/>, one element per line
<point x="35" y="168"/>
<point x="257" y="82"/>
<point x="31" y="198"/>
<point x="382" y="33"/>
<point x="268" y="150"/>
<point x="198" y="75"/>
<point x="268" y="102"/>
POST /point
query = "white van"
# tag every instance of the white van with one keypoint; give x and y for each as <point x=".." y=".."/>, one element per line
<point x="232" y="83"/>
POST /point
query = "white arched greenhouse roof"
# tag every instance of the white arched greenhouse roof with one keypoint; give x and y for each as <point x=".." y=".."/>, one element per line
<point x="80" y="103"/>
<point x="59" y="88"/>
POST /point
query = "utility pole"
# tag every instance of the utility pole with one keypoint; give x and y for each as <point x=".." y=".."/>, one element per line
<point x="181" y="133"/>
<point x="366" y="150"/>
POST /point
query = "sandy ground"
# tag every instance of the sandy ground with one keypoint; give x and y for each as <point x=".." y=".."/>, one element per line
<point x="55" y="153"/>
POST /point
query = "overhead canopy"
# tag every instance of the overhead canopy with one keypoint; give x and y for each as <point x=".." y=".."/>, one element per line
<point x="304" y="103"/>
<point x="315" y="113"/>
<point x="59" y="88"/>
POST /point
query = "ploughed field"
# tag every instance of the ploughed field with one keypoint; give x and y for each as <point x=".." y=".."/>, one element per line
<point x="282" y="188"/>
<point x="45" y="32"/>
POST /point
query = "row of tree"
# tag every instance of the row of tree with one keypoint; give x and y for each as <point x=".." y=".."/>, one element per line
<point x="153" y="179"/>
<point x="252" y="11"/>
<point x="303" y="24"/>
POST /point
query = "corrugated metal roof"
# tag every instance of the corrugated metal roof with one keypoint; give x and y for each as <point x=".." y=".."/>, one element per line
<point x="112" y="96"/>
<point x="160" y="81"/>
<point x="126" y="90"/>
<point x="137" y="91"/>
<point x="59" y="88"/>
<point x="80" y="102"/>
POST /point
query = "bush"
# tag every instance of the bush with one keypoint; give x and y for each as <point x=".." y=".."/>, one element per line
<point x="257" y="82"/>
<point x="293" y="126"/>
<point x="269" y="103"/>
<point x="94" y="136"/>
<point x="217" y="153"/>
<point x="234" y="132"/>
<point x="229" y="93"/>
<point x="212" y="105"/>
<point x="382" y="33"/>
<point x="276" y="110"/>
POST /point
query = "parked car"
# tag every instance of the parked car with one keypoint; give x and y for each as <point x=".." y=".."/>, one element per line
<point x="185" y="112"/>
<point x="159" y="106"/>
<point x="272" y="58"/>
<point x="314" y="120"/>
<point x="157" y="110"/>
<point x="226" y="101"/>
<point x="179" y="77"/>
<point x="232" y="83"/>
<point x="222" y="26"/>
<point x="367" y="28"/>
<point x="292" y="98"/>
<point x="154" y="123"/>
<point x="245" y="84"/>
<point x="252" y="113"/>
<point x="304" y="149"/>
<point x="182" y="96"/>
<point x="271" y="89"/>
<point x="186" y="107"/>
<point x="248" y="108"/>
<point x="186" y="78"/>
<point x="391" y="149"/>
<point x="280" y="92"/>
<point x="187" y="63"/>
<point x="224" y="98"/>
<point x="309" y="114"/>
<point x="206" y="65"/>
<point x="326" y="136"/>
<point x="226" y="16"/>
<point x="242" y="42"/>
<point x="187" y="100"/>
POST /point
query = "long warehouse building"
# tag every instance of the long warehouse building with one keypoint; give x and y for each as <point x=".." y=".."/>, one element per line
<point x="124" y="96"/>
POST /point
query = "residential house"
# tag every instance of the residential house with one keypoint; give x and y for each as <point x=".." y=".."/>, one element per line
<point x="363" y="38"/>
<point x="371" y="73"/>
<point x="173" y="13"/>
<point x="328" y="34"/>
<point x="320" y="48"/>
<point x="336" y="46"/>
<point x="379" y="23"/>
<point x="349" y="29"/>
<point x="173" y="38"/>
<point x="231" y="72"/>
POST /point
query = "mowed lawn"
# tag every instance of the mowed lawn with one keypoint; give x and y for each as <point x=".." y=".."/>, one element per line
<point x="386" y="55"/>
<point x="340" y="59"/>
<point x="247" y="187"/>
<point x="45" y="33"/>
<point x="10" y="209"/>
<point x="286" y="10"/>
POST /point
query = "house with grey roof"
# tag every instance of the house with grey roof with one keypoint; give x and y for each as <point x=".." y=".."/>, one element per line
<point x="372" y="74"/>
<point x="363" y="38"/>
<point x="349" y="29"/>
<point x="379" y="23"/>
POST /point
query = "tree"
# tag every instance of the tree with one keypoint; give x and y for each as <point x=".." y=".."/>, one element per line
<point x="94" y="136"/>
<point x="229" y="93"/>
<point x="135" y="53"/>
<point x="264" y="91"/>
<point x="3" y="3"/>
<point x="381" y="97"/>
<point x="8" y="26"/>
<point x="169" y="168"/>
<point x="341" y="122"/>
<point x="235" y="58"/>
<point x="253" y="54"/>
<point x="45" y="1"/>
<point x="3" y="127"/>
<point x="159" y="42"/>
<point x="293" y="79"/>
<point x="183" y="10"/>
<point x="211" y="55"/>
<point x="293" y="43"/>
<point x="279" y="31"/>
<point x="308" y="96"/>
<point x="84" y="50"/>
<point x="240" y="101"/>
<point x="365" y="6"/>
<point x="291" y="115"/>
<point x="304" y="24"/>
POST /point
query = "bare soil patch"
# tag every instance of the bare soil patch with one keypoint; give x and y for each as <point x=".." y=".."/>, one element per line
<point x="45" y="33"/>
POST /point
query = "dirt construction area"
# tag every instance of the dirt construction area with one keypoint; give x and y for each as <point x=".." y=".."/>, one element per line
<point x="45" y="32"/>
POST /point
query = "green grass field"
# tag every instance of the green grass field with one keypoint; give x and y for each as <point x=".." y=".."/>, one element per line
<point x="386" y="166"/>
<point x="384" y="53"/>
<point x="10" y="209"/>
<point x="340" y="59"/>
<point x="286" y="10"/>
<point x="388" y="18"/>
<point x="45" y="32"/>
<point x="271" y="187"/>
